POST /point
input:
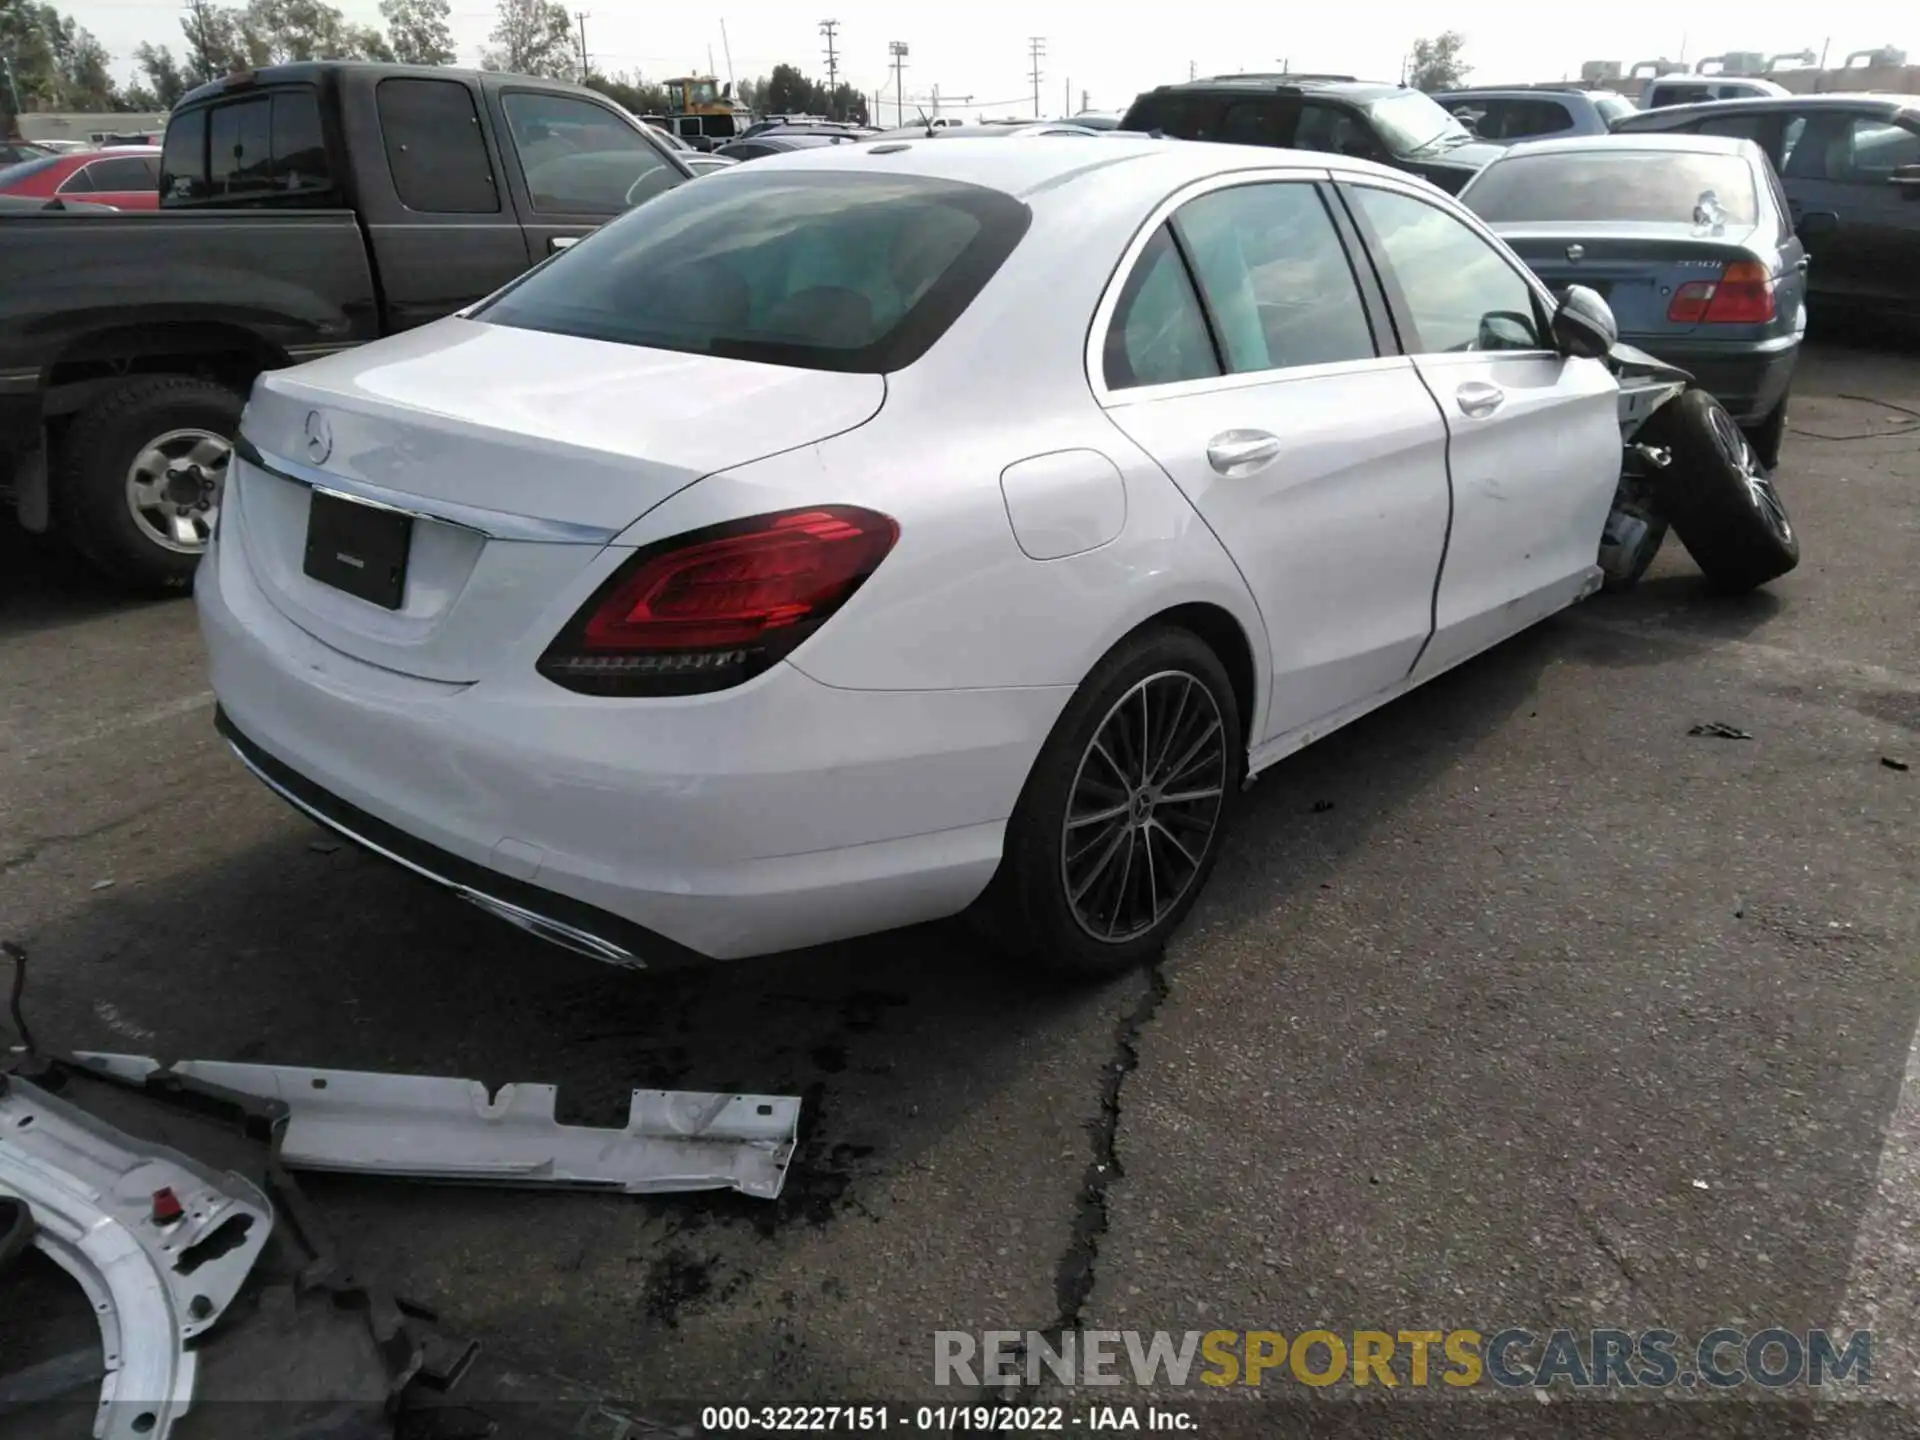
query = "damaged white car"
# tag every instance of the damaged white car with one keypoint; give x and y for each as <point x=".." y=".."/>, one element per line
<point x="878" y="533"/>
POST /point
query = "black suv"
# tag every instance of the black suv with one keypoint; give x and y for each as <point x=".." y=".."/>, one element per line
<point x="1850" y="165"/>
<point x="1388" y="123"/>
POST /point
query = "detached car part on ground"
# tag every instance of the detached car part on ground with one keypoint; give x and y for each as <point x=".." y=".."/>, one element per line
<point x="962" y="544"/>
<point x="159" y="1243"/>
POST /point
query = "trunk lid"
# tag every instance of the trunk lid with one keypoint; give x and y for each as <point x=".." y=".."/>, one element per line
<point x="1637" y="265"/>
<point x="520" y="454"/>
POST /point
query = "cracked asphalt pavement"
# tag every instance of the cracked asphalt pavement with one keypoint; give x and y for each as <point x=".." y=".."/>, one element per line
<point x="1511" y="1004"/>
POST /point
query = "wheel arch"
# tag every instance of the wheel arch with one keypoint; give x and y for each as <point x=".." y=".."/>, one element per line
<point x="222" y="351"/>
<point x="1221" y="631"/>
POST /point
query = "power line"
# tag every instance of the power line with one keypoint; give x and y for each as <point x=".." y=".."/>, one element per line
<point x="1036" y="49"/>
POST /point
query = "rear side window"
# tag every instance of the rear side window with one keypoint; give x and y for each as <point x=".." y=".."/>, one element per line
<point x="1664" y="95"/>
<point x="183" y="157"/>
<point x="80" y="182"/>
<point x="128" y="173"/>
<point x="1618" y="184"/>
<point x="240" y="148"/>
<point x="1183" y="115"/>
<point x="435" y="151"/>
<point x="1250" y="122"/>
<point x="582" y="158"/>
<point x="263" y="146"/>
<point x="1276" y="277"/>
<point x="822" y="270"/>
<point x="1159" y="332"/>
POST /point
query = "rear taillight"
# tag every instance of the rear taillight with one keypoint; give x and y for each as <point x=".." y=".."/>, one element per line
<point x="715" y="607"/>
<point x="1743" y="295"/>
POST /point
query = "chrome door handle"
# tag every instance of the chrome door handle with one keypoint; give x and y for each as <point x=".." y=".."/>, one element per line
<point x="1241" y="452"/>
<point x="557" y="243"/>
<point x="1478" y="398"/>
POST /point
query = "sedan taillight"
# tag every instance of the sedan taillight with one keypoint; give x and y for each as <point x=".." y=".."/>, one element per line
<point x="715" y="607"/>
<point x="1743" y="295"/>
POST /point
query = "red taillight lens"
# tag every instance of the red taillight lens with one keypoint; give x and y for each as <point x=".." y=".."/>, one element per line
<point x="710" y="609"/>
<point x="1743" y="295"/>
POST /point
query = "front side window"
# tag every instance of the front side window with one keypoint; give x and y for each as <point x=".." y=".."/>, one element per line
<point x="1613" y="182"/>
<point x="579" y="157"/>
<point x="1276" y="277"/>
<point x="1159" y="332"/>
<point x="821" y="270"/>
<point x="1460" y="292"/>
<point x="1664" y="95"/>
<point x="1853" y="150"/>
<point x="1334" y="129"/>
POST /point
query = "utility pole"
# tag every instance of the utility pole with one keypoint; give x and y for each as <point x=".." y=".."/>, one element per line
<point x="1083" y="101"/>
<point x="936" y="99"/>
<point x="1190" y="70"/>
<point x="1066" y="98"/>
<point x="585" y="69"/>
<point x="898" y="50"/>
<point x="830" y="29"/>
<point x="1036" y="50"/>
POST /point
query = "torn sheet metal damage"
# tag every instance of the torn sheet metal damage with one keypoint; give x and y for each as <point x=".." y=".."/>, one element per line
<point x="160" y="1244"/>
<point x="428" y="1127"/>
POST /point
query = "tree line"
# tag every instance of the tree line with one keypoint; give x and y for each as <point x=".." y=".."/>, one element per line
<point x="55" y="63"/>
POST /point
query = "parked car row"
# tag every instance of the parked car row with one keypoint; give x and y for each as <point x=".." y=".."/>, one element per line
<point x="307" y="208"/>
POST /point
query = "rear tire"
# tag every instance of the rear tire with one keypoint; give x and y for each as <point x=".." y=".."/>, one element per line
<point x="141" y="470"/>
<point x="1718" y="497"/>
<point x="1120" y="821"/>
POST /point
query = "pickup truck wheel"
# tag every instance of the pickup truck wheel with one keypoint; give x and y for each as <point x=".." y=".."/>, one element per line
<point x="1719" y="497"/>
<point x="141" y="474"/>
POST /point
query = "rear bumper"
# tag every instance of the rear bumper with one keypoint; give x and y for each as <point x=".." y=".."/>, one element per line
<point x="781" y="814"/>
<point x="1749" y="379"/>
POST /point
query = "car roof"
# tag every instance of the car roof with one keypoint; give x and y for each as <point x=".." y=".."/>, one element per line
<point x="311" y="71"/>
<point x="1283" y="83"/>
<point x="1054" y="163"/>
<point x="1523" y="92"/>
<point x="1652" y="140"/>
<point x="1877" y="100"/>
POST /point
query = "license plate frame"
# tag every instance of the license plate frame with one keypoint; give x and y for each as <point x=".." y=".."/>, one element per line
<point x="358" y="548"/>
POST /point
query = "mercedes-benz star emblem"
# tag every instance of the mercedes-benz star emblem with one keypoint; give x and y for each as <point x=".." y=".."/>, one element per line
<point x="319" y="437"/>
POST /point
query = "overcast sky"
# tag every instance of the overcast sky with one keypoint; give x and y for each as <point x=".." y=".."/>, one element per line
<point x="1112" y="51"/>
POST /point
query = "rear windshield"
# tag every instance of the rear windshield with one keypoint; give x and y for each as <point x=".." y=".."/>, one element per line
<point x="821" y="270"/>
<point x="1664" y="185"/>
<point x="26" y="168"/>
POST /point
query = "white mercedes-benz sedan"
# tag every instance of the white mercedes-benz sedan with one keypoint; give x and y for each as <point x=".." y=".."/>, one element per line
<point x="872" y="534"/>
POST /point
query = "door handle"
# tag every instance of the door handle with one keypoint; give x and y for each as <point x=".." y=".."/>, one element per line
<point x="557" y="243"/>
<point x="1478" y="398"/>
<point x="1241" y="452"/>
<point x="1801" y="264"/>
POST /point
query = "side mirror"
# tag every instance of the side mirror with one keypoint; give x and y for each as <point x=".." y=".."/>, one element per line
<point x="1583" y="325"/>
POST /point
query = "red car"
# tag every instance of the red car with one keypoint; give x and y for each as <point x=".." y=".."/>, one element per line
<point x="126" y="177"/>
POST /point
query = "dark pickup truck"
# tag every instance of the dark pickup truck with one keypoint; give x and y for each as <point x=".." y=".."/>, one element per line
<point x="303" y="208"/>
